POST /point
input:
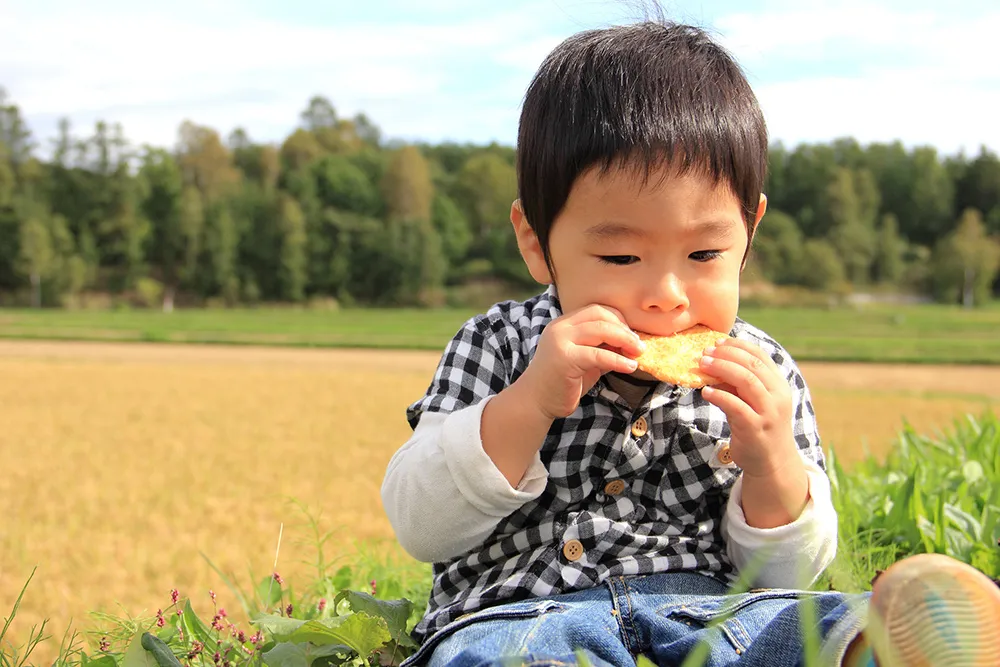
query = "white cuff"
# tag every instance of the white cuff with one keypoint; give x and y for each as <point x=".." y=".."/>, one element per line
<point x="474" y="472"/>
<point x="796" y="553"/>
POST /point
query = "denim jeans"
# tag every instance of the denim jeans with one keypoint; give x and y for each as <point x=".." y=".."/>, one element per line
<point x="661" y="616"/>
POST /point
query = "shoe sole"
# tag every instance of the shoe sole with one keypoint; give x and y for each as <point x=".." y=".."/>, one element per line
<point x="930" y="610"/>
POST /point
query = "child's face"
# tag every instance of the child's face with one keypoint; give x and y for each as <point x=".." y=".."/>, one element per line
<point x="667" y="255"/>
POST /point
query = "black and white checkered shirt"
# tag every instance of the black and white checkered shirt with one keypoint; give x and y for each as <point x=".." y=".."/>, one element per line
<point x="668" y="515"/>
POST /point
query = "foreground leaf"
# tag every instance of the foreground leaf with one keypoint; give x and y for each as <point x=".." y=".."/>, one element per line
<point x="195" y="629"/>
<point x="136" y="655"/>
<point x="361" y="632"/>
<point x="396" y="613"/>
<point x="300" y="655"/>
<point x="277" y="627"/>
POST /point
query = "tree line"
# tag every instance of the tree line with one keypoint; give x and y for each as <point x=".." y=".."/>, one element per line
<point x="336" y="211"/>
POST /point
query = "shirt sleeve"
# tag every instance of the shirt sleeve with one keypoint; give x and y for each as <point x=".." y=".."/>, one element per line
<point x="793" y="555"/>
<point x="442" y="492"/>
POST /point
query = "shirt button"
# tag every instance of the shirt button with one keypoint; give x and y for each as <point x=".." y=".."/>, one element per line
<point x="573" y="550"/>
<point x="640" y="427"/>
<point x="725" y="456"/>
<point x="614" y="487"/>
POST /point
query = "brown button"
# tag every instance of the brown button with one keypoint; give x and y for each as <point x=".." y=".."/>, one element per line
<point x="573" y="550"/>
<point x="725" y="456"/>
<point x="639" y="427"/>
<point x="614" y="487"/>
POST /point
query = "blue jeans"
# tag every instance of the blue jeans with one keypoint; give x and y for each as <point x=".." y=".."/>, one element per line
<point x="661" y="616"/>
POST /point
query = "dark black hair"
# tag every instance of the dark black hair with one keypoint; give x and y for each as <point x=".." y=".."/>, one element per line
<point x="649" y="95"/>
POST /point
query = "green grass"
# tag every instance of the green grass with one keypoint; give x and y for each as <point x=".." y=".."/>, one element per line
<point x="903" y="334"/>
<point x="936" y="494"/>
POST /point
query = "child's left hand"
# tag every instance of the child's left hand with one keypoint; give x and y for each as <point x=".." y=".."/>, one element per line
<point x="758" y="402"/>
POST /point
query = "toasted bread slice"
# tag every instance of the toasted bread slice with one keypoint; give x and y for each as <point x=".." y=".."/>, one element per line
<point x="675" y="358"/>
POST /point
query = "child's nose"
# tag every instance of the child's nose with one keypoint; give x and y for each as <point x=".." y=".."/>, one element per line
<point x="665" y="295"/>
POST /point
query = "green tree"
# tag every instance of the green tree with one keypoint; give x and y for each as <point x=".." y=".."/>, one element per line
<point x="406" y="186"/>
<point x="777" y="248"/>
<point x="36" y="255"/>
<point x="810" y="169"/>
<point x="888" y="265"/>
<point x="822" y="267"/>
<point x="978" y="186"/>
<point x="340" y="184"/>
<point x="399" y="263"/>
<point x="929" y="208"/>
<point x="300" y="150"/>
<point x="965" y="263"/>
<point x="6" y="179"/>
<point x="852" y="203"/>
<point x="486" y="187"/>
<point x="14" y="132"/>
<point x="452" y="229"/>
<point x="219" y="252"/>
<point x="293" y="268"/>
<point x="205" y="162"/>
<point x="170" y="216"/>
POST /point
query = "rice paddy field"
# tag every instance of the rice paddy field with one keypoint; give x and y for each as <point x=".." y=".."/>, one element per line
<point x="126" y="467"/>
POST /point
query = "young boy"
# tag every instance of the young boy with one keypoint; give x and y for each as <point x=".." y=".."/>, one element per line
<point x="569" y="503"/>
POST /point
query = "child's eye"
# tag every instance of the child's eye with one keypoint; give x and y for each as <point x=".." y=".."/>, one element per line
<point x="618" y="260"/>
<point x="705" y="255"/>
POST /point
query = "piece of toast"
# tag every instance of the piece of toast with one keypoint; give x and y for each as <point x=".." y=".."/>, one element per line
<point x="676" y="358"/>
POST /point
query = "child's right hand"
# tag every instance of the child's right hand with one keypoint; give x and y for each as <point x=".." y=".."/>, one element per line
<point x="573" y="354"/>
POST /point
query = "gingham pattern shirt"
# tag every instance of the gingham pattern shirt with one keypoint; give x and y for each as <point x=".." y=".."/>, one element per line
<point x="669" y="516"/>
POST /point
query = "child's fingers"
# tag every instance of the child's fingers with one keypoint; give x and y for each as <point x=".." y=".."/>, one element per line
<point x="768" y="375"/>
<point x="602" y="332"/>
<point x="739" y="414"/>
<point x="586" y="358"/>
<point x="747" y="384"/>
<point x="751" y="349"/>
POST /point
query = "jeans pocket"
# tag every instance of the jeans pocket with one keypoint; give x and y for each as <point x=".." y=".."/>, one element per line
<point x="733" y="613"/>
<point x="505" y="611"/>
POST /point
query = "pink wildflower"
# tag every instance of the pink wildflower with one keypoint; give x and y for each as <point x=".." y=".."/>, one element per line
<point x="105" y="645"/>
<point x="196" y="648"/>
<point x="174" y="595"/>
<point x="277" y="577"/>
<point x="288" y="609"/>
<point x="322" y="605"/>
<point x="159" y="618"/>
<point x="373" y="588"/>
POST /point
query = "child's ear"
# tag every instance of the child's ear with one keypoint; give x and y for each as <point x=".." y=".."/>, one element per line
<point x="527" y="243"/>
<point x="761" y="209"/>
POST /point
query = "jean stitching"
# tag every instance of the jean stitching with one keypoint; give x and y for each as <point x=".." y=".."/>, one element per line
<point x="738" y="634"/>
<point x="631" y="613"/>
<point x="615" y="596"/>
<point x="528" y="635"/>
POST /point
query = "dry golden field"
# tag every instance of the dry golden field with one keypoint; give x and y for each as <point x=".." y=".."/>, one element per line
<point x="120" y="464"/>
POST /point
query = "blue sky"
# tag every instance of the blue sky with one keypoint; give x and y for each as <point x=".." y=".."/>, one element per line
<point x="919" y="71"/>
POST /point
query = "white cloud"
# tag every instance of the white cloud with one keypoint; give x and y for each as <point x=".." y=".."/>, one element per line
<point x="919" y="76"/>
<point x="874" y="73"/>
<point x="882" y="107"/>
<point x="149" y="70"/>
